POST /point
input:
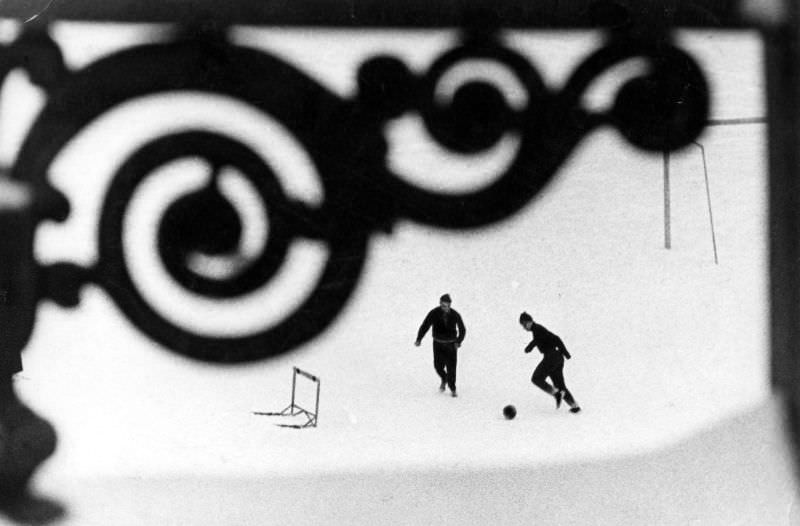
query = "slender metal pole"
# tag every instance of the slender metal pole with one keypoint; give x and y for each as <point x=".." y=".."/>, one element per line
<point x="737" y="120"/>
<point x="708" y="200"/>
<point x="316" y="411"/>
<point x="294" y="382"/>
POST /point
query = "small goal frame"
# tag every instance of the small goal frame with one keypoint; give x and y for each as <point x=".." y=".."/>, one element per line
<point x="293" y="409"/>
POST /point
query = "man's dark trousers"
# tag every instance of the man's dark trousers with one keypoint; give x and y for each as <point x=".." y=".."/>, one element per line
<point x="445" y="358"/>
<point x="552" y="365"/>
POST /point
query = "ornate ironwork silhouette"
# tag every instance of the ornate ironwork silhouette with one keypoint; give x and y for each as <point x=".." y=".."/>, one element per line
<point x="663" y="109"/>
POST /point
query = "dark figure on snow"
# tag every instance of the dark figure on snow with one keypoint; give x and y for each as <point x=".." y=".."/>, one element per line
<point x="448" y="333"/>
<point x="552" y="363"/>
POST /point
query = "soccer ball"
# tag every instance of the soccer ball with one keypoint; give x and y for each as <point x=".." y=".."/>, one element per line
<point x="509" y="412"/>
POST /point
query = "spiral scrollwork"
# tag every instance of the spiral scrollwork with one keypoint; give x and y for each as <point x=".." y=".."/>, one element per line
<point x="665" y="108"/>
<point x="662" y="110"/>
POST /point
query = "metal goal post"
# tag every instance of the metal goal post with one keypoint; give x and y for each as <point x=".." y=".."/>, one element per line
<point x="294" y="409"/>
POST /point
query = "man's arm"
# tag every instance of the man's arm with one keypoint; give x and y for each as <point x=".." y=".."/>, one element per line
<point x="530" y="346"/>
<point x="462" y="330"/>
<point x="426" y="324"/>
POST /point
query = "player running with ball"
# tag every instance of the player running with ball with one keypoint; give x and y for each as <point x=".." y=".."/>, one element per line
<point x="552" y="363"/>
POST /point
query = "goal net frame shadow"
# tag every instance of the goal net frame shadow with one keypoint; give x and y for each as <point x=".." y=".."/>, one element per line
<point x="293" y="409"/>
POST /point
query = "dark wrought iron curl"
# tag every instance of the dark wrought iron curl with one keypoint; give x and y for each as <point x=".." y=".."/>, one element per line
<point x="178" y="235"/>
<point x="475" y="120"/>
<point x="37" y="54"/>
<point x="309" y="111"/>
<point x="664" y="109"/>
<point x="204" y="221"/>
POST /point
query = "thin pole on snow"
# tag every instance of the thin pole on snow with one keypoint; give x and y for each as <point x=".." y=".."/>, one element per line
<point x="708" y="200"/>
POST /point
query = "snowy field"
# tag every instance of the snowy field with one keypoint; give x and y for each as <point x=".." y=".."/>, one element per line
<point x="670" y="350"/>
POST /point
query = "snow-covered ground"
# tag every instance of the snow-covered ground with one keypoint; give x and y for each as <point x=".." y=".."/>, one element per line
<point x="670" y="350"/>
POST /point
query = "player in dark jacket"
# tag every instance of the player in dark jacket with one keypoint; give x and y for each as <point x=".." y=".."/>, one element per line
<point x="552" y="363"/>
<point x="448" y="333"/>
